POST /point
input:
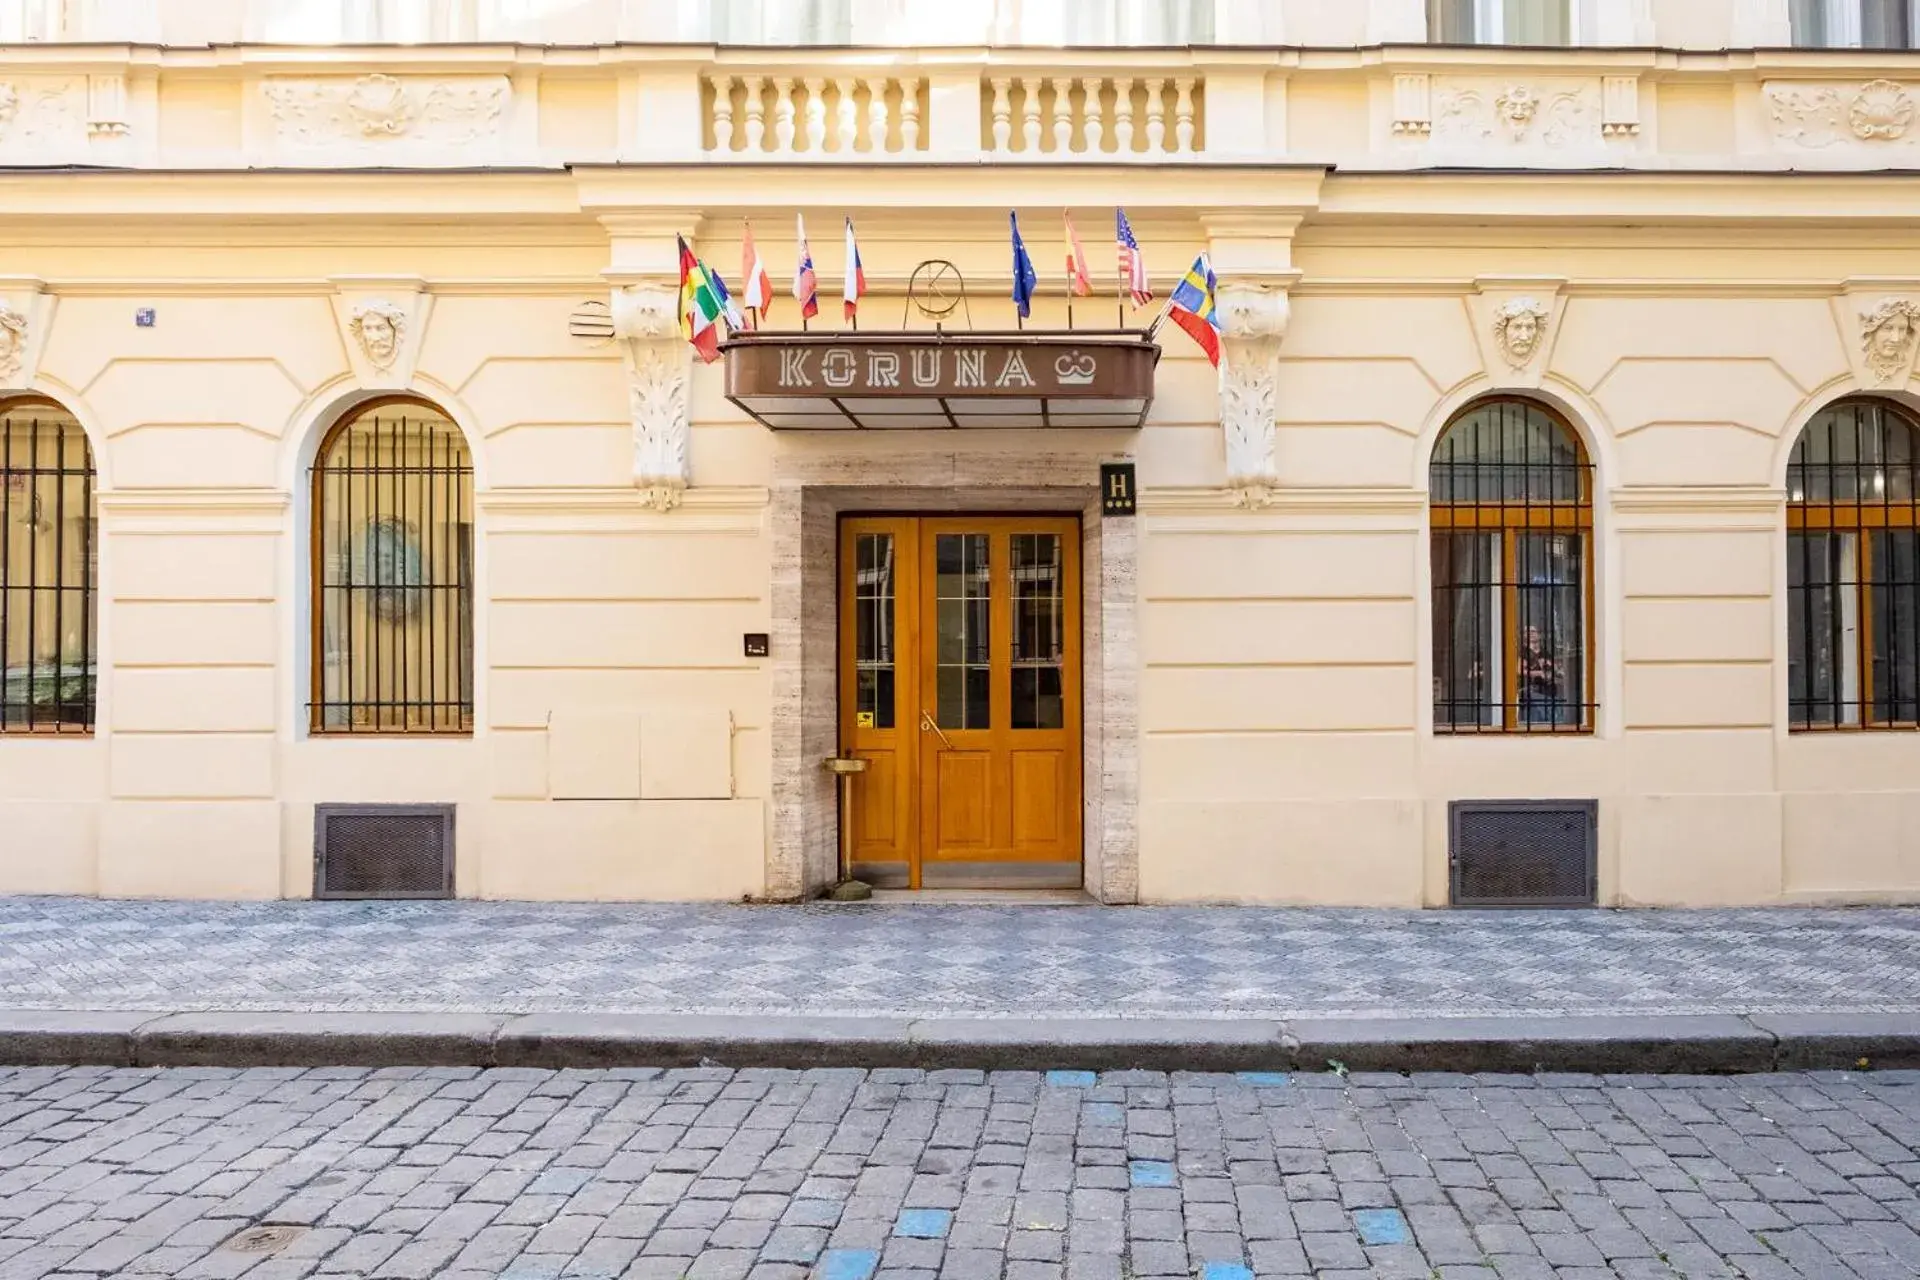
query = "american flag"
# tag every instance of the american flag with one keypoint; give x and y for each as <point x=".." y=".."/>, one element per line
<point x="1133" y="265"/>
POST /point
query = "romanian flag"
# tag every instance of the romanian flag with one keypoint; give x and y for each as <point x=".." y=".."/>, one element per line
<point x="753" y="269"/>
<point x="856" y="277"/>
<point x="806" y="285"/>
<point x="1079" y="282"/>
<point x="1192" y="307"/>
<point x="699" y="306"/>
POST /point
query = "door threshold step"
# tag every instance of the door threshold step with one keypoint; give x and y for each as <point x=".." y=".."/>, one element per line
<point x="989" y="897"/>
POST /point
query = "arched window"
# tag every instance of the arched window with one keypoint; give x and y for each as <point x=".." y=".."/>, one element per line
<point x="1853" y="570"/>
<point x="48" y="642"/>
<point x="393" y="574"/>
<point x="1512" y="496"/>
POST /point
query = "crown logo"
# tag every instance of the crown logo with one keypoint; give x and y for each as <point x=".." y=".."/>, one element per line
<point x="1074" y="369"/>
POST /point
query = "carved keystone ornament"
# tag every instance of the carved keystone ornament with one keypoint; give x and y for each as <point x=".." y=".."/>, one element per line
<point x="13" y="344"/>
<point x="1253" y="321"/>
<point x="380" y="326"/>
<point x="1520" y="327"/>
<point x="1887" y="335"/>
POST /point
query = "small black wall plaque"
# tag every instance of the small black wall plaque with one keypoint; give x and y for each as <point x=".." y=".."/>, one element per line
<point x="1116" y="489"/>
<point x="757" y="644"/>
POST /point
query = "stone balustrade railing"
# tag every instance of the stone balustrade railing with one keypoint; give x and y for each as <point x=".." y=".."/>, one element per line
<point x="833" y="115"/>
<point x="1063" y="115"/>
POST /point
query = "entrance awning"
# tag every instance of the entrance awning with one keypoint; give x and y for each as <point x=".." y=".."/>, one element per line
<point x="943" y="381"/>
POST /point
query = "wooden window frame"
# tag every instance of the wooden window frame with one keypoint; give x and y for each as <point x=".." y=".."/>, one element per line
<point x="317" y="703"/>
<point x="1859" y="517"/>
<point x="89" y="585"/>
<point x="1512" y="519"/>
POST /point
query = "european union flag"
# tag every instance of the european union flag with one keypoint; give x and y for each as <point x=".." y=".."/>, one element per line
<point x="1024" y="276"/>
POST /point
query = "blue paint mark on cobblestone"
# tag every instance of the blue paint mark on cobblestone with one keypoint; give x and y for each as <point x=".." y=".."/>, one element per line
<point x="1226" y="1271"/>
<point x="1072" y="1079"/>
<point x="1150" y="1173"/>
<point x="924" y="1224"/>
<point x="847" y="1264"/>
<point x="1104" y="1115"/>
<point x="1381" y="1226"/>
<point x="1265" y="1079"/>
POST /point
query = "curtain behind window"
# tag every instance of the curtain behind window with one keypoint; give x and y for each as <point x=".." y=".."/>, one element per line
<point x="1450" y="21"/>
<point x="1886" y="24"/>
<point x="1536" y="22"/>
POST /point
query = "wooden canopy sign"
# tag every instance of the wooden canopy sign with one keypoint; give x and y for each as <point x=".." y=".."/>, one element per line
<point x="940" y="381"/>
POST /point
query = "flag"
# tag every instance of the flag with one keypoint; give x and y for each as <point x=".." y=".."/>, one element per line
<point x="753" y="269"/>
<point x="1078" y="283"/>
<point x="699" y="308"/>
<point x="728" y="307"/>
<point x="1133" y="265"/>
<point x="1192" y="308"/>
<point x="856" y="277"/>
<point x="1024" y="276"/>
<point x="806" y="286"/>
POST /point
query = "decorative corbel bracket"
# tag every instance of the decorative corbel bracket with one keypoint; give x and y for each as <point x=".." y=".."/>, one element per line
<point x="1516" y="320"/>
<point x="26" y="316"/>
<point x="646" y="323"/>
<point x="1879" y="321"/>
<point x="383" y="322"/>
<point x="1253" y="319"/>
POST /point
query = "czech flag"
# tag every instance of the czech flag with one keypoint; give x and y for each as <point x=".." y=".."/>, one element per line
<point x="753" y="269"/>
<point x="856" y="277"/>
<point x="1024" y="276"/>
<point x="1192" y="307"/>
<point x="806" y="286"/>
<point x="1079" y="281"/>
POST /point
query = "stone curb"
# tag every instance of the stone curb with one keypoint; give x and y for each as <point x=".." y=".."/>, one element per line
<point x="1637" y="1044"/>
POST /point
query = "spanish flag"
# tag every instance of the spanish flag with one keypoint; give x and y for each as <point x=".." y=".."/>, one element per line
<point x="1192" y="307"/>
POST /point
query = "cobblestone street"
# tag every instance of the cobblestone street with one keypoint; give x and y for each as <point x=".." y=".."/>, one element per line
<point x="715" y="1175"/>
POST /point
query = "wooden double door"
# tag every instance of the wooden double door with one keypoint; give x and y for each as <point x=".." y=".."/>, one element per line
<point x="960" y="688"/>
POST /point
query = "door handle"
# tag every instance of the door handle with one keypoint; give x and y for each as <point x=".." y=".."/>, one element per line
<point x="926" y="723"/>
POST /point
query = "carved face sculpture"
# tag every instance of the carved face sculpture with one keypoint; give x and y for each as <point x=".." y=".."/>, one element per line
<point x="1888" y="337"/>
<point x="1519" y="327"/>
<point x="13" y="341"/>
<point x="1517" y="107"/>
<point x="379" y="326"/>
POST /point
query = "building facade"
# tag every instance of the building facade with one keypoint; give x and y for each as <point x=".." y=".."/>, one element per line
<point x="1549" y="532"/>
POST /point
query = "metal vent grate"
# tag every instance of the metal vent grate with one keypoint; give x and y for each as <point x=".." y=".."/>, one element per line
<point x="383" y="851"/>
<point x="1523" y="853"/>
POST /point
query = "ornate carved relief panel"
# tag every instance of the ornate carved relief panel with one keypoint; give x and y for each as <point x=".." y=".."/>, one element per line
<point x="1848" y="122"/>
<point x="43" y="120"/>
<point x="379" y="119"/>
<point x="1516" y="120"/>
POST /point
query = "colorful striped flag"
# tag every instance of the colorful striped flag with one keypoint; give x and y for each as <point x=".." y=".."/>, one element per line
<point x="856" y="277"/>
<point x="806" y="286"/>
<point x="1192" y="307"/>
<point x="1133" y="264"/>
<point x="753" y="269"/>
<point x="1079" y="281"/>
<point x="699" y="307"/>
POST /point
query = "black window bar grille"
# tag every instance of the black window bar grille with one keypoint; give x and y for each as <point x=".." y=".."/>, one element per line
<point x="1853" y="570"/>
<point x="48" y="560"/>
<point x="1512" y="506"/>
<point x="393" y="576"/>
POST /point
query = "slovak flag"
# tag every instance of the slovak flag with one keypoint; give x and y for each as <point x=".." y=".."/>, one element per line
<point x="856" y="277"/>
<point x="806" y="287"/>
<point x="754" y="271"/>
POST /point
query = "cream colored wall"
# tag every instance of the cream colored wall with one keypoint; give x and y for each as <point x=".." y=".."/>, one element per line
<point x="623" y="744"/>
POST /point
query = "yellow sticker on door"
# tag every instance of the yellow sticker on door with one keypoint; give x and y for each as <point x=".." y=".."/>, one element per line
<point x="863" y="719"/>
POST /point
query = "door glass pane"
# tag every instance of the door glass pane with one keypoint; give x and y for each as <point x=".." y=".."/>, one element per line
<point x="963" y="578"/>
<point x="1038" y="619"/>
<point x="1823" y="673"/>
<point x="873" y="626"/>
<point x="1550" y="599"/>
<point x="1896" y="635"/>
<point x="1466" y="631"/>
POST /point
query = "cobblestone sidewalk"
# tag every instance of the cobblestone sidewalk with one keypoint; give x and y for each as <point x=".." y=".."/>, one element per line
<point x="904" y="1175"/>
<point x="929" y="961"/>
